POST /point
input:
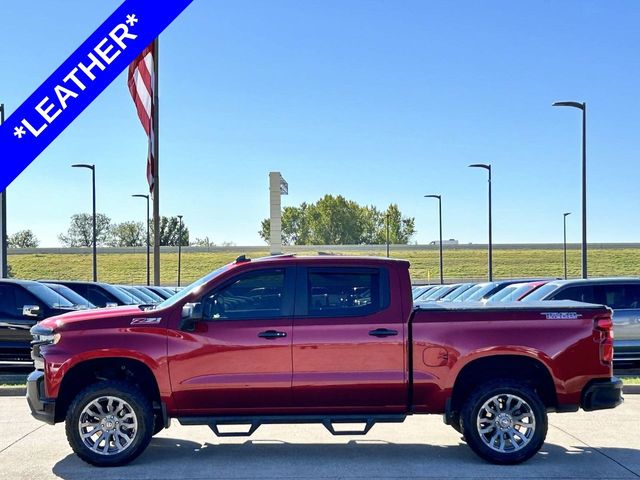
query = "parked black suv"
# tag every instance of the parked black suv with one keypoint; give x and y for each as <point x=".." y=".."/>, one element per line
<point x="100" y="294"/>
<point x="24" y="303"/>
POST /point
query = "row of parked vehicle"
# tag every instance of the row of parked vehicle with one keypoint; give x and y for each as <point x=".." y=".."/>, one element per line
<point x="23" y="303"/>
<point x="622" y="295"/>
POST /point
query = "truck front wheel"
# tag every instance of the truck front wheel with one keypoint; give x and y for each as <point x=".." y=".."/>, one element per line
<point x="109" y="423"/>
<point x="504" y="422"/>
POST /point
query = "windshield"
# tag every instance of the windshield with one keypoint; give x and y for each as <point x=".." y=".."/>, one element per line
<point x="73" y="297"/>
<point x="122" y="297"/>
<point x="465" y="295"/>
<point x="444" y="291"/>
<point x="150" y="293"/>
<point x="481" y="292"/>
<point x="419" y="292"/>
<point x="49" y="297"/>
<point x="504" y="294"/>
<point x="518" y="292"/>
<point x="186" y="291"/>
<point x="456" y="292"/>
<point x="135" y="295"/>
<point x="432" y="293"/>
<point x="540" y="293"/>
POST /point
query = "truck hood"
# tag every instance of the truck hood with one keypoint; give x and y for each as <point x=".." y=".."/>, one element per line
<point x="97" y="318"/>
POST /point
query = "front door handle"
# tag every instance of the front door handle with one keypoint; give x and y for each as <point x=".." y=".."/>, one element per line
<point x="272" y="334"/>
<point x="383" y="332"/>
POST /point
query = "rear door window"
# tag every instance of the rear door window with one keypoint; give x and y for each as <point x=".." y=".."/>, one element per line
<point x="344" y="292"/>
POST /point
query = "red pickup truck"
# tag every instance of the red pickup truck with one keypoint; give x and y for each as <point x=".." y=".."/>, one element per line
<point x="330" y="340"/>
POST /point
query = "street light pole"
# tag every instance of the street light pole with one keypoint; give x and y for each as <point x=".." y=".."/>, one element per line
<point x="487" y="167"/>
<point x="148" y="239"/>
<point x="387" y="217"/>
<point x="582" y="106"/>
<point x="179" y="248"/>
<point x="565" y="243"/>
<point x="93" y="185"/>
<point x="439" y="197"/>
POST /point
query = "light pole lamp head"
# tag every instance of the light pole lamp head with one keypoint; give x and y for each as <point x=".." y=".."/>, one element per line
<point x="439" y="197"/>
<point x="84" y="165"/>
<point x="579" y="105"/>
<point x="486" y="166"/>
<point x="140" y="195"/>
<point x="566" y="214"/>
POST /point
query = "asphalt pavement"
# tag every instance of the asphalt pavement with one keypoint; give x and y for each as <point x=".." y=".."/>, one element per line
<point x="581" y="445"/>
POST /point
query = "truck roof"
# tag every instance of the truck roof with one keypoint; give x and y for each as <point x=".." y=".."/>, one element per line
<point x="348" y="259"/>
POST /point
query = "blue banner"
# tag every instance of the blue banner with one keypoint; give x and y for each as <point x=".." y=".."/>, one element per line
<point x="79" y="80"/>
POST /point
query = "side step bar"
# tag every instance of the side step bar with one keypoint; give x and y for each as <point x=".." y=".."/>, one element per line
<point x="329" y="422"/>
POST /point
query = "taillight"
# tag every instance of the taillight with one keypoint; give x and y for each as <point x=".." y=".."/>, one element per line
<point x="603" y="330"/>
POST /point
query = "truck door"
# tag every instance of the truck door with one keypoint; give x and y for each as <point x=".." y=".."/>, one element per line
<point x="348" y="341"/>
<point x="239" y="356"/>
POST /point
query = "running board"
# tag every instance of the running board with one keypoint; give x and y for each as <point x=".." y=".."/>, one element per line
<point x="328" y="421"/>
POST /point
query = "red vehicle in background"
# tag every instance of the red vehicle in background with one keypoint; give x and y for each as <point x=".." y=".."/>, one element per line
<point x="330" y="340"/>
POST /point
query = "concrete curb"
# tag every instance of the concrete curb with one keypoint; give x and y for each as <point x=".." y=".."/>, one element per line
<point x="17" y="391"/>
<point x="631" y="389"/>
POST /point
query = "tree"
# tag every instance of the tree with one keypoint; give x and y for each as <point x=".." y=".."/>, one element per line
<point x="338" y="221"/>
<point x="170" y="232"/>
<point x="335" y="221"/>
<point x="401" y="229"/>
<point x="295" y="226"/>
<point x="80" y="233"/>
<point x="128" y="234"/>
<point x="23" y="239"/>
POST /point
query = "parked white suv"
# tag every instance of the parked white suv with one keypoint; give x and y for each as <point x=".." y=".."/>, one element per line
<point x="622" y="295"/>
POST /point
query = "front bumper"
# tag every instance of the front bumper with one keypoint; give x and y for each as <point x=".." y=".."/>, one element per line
<point x="42" y="408"/>
<point x="602" y="394"/>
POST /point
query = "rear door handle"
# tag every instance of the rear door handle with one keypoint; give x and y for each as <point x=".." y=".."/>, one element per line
<point x="383" y="332"/>
<point x="272" y="334"/>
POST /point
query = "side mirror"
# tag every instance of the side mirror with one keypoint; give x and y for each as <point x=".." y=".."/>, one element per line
<point x="191" y="314"/>
<point x="32" y="311"/>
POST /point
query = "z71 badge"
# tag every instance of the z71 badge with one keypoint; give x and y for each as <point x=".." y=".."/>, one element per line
<point x="146" y="321"/>
<point x="561" y="315"/>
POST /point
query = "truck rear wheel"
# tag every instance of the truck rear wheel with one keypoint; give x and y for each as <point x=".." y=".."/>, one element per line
<point x="109" y="423"/>
<point x="504" y="422"/>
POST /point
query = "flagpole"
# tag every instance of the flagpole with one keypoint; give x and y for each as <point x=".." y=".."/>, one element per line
<point x="4" y="269"/>
<point x="156" y="163"/>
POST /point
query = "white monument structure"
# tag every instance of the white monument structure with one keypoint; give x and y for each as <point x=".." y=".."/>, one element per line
<point x="277" y="187"/>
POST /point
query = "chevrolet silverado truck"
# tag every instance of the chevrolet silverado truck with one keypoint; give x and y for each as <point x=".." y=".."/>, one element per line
<point x="329" y="339"/>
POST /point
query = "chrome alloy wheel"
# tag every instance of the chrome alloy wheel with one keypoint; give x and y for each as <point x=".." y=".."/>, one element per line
<point x="108" y="425"/>
<point x="506" y="423"/>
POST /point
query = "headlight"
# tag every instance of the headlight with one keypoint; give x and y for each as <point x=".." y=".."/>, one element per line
<point x="43" y="336"/>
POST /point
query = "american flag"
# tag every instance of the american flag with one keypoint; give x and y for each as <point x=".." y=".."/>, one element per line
<point x="141" y="85"/>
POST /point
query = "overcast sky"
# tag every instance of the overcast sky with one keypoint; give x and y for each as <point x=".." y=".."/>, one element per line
<point x="380" y="101"/>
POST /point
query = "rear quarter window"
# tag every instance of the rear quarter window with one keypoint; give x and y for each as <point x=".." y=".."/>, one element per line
<point x="619" y="296"/>
<point x="580" y="293"/>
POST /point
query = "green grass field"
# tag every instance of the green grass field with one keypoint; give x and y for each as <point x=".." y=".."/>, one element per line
<point x="458" y="264"/>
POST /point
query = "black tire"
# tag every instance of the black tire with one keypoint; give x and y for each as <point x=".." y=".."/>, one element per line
<point x="129" y="406"/>
<point x="496" y="438"/>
